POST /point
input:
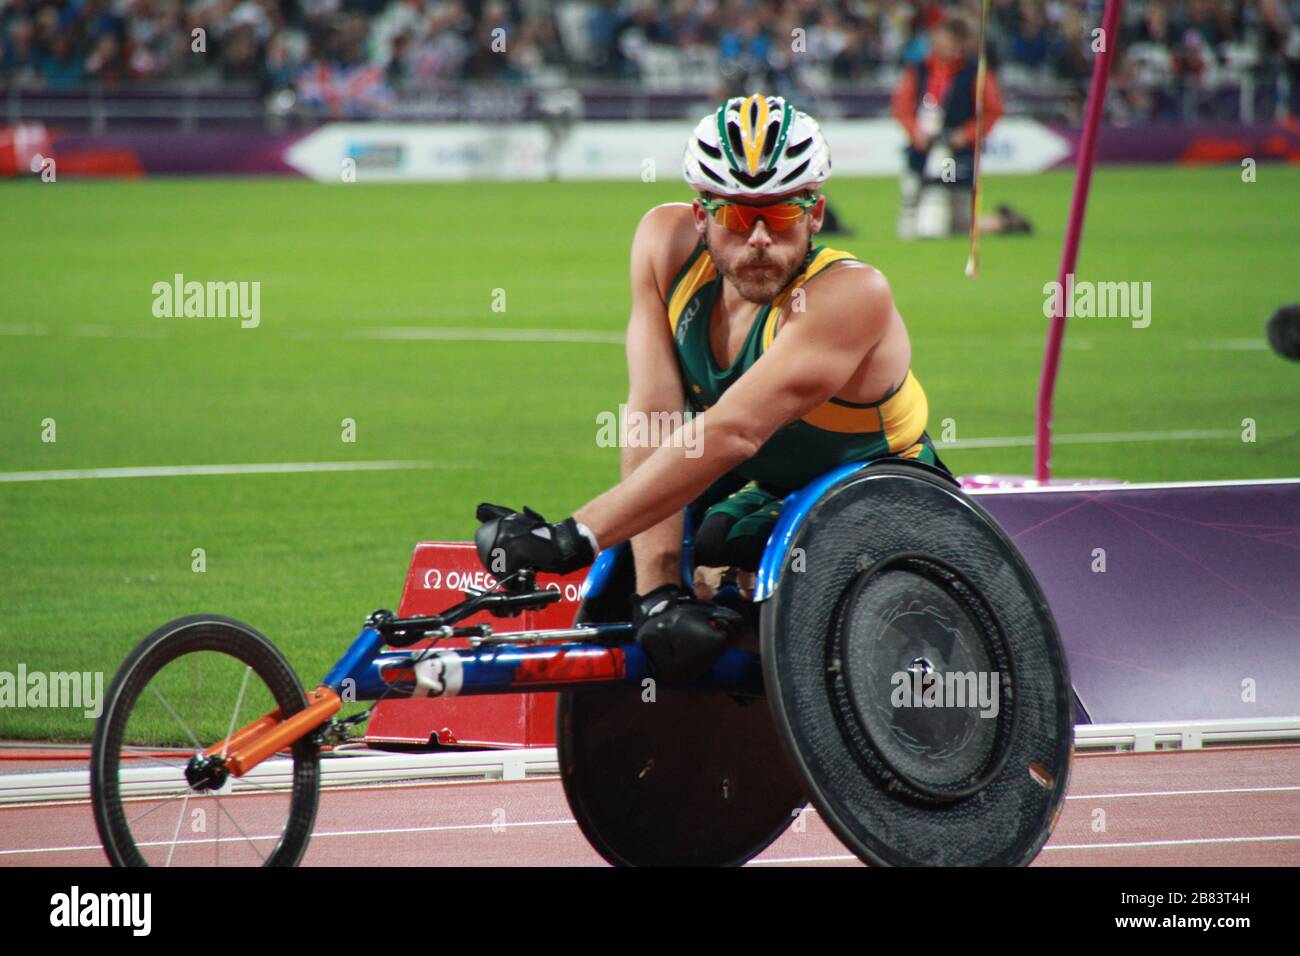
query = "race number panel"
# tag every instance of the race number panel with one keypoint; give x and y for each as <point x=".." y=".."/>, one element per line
<point x="915" y="671"/>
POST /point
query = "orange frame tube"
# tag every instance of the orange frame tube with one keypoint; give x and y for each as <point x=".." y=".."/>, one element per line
<point x="243" y="735"/>
<point x="250" y="745"/>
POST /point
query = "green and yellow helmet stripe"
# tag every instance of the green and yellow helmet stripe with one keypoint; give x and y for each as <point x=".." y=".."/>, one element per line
<point x="787" y="115"/>
<point x="753" y="135"/>
<point x="723" y="139"/>
<point x="741" y="147"/>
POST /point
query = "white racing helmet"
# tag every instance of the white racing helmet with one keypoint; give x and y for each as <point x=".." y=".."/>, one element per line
<point x="756" y="146"/>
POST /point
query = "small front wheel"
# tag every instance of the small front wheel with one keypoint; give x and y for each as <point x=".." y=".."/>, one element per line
<point x="158" y="801"/>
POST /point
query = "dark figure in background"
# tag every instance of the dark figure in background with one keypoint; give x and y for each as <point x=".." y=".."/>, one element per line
<point x="935" y="104"/>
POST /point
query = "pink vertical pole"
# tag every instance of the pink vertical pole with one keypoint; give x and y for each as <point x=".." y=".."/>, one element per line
<point x="1073" y="232"/>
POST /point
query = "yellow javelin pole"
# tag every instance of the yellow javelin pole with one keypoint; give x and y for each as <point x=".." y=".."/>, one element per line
<point x="973" y="260"/>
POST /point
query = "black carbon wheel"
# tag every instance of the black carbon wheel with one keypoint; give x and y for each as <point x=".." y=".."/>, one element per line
<point x="694" y="778"/>
<point x="916" y="673"/>
<point x="185" y="687"/>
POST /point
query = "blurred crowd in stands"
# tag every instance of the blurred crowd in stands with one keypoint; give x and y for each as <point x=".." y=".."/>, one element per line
<point x="352" y="57"/>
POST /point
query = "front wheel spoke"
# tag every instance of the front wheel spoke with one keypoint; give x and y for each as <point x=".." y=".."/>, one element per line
<point x="222" y="809"/>
<point x="148" y="756"/>
<point x="161" y="802"/>
<point x="177" y="717"/>
<point x="180" y="818"/>
<point x="239" y="701"/>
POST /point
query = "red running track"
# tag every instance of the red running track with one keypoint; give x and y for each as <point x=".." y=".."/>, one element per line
<point x="1227" y="807"/>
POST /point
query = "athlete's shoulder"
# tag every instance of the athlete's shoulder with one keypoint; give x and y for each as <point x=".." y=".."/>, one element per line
<point x="851" y="278"/>
<point x="665" y="240"/>
<point x="853" y="294"/>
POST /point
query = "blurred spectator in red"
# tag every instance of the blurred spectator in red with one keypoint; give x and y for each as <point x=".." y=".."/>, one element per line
<point x="934" y="102"/>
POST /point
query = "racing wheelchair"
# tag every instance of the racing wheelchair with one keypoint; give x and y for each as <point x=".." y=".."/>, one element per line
<point x="898" y="667"/>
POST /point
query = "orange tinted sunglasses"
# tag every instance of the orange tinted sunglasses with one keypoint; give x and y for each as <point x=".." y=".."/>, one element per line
<point x="740" y="217"/>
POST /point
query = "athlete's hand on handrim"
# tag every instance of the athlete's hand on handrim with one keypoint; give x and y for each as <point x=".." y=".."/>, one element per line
<point x="509" y="540"/>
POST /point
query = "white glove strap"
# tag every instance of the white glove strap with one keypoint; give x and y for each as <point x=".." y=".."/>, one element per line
<point x="591" y="538"/>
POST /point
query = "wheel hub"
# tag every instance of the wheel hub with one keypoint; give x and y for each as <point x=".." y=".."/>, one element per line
<point x="206" y="773"/>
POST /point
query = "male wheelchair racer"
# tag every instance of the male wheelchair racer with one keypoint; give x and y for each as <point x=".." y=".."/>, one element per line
<point x="884" y="599"/>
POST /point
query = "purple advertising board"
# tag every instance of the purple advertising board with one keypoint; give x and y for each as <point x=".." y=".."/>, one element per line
<point x="1175" y="602"/>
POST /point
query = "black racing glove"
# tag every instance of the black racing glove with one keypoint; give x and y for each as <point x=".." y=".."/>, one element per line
<point x="682" y="636"/>
<point x="509" y="540"/>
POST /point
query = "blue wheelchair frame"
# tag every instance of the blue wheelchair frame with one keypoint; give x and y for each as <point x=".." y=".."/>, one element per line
<point x="562" y="658"/>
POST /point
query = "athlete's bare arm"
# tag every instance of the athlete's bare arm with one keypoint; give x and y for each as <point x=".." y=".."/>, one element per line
<point x="663" y="241"/>
<point x="813" y="357"/>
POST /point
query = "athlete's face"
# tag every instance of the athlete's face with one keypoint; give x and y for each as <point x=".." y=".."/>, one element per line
<point x="762" y="262"/>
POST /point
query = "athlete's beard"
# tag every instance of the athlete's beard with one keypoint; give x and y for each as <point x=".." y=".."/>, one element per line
<point x="757" y="285"/>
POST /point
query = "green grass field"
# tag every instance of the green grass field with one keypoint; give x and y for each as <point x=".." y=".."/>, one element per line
<point x="88" y="567"/>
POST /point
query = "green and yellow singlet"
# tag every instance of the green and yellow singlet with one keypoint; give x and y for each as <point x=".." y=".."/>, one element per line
<point x="834" y="433"/>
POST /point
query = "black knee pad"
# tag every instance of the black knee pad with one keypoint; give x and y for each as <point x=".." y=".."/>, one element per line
<point x="711" y="540"/>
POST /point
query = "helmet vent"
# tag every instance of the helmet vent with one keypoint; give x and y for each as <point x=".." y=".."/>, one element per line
<point x="798" y="148"/>
<point x="770" y="140"/>
<point x="712" y="151"/>
<point x="797" y="172"/>
<point x="733" y="135"/>
<point x="712" y="175"/>
<point x="756" y="180"/>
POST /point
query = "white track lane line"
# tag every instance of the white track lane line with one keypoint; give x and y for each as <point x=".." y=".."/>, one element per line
<point x="340" y="788"/>
<point x="267" y="468"/>
<point x="1066" y="846"/>
<point x="1179" y="793"/>
<point x="446" y="828"/>
<point x="1229" y="345"/>
<point x="409" y="333"/>
<point x="281" y="468"/>
<point x="801" y="859"/>
<point x="1100" y="438"/>
<point x="444" y="334"/>
<point x="1194" y="841"/>
<point x="40" y="330"/>
<point x="416" y="784"/>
